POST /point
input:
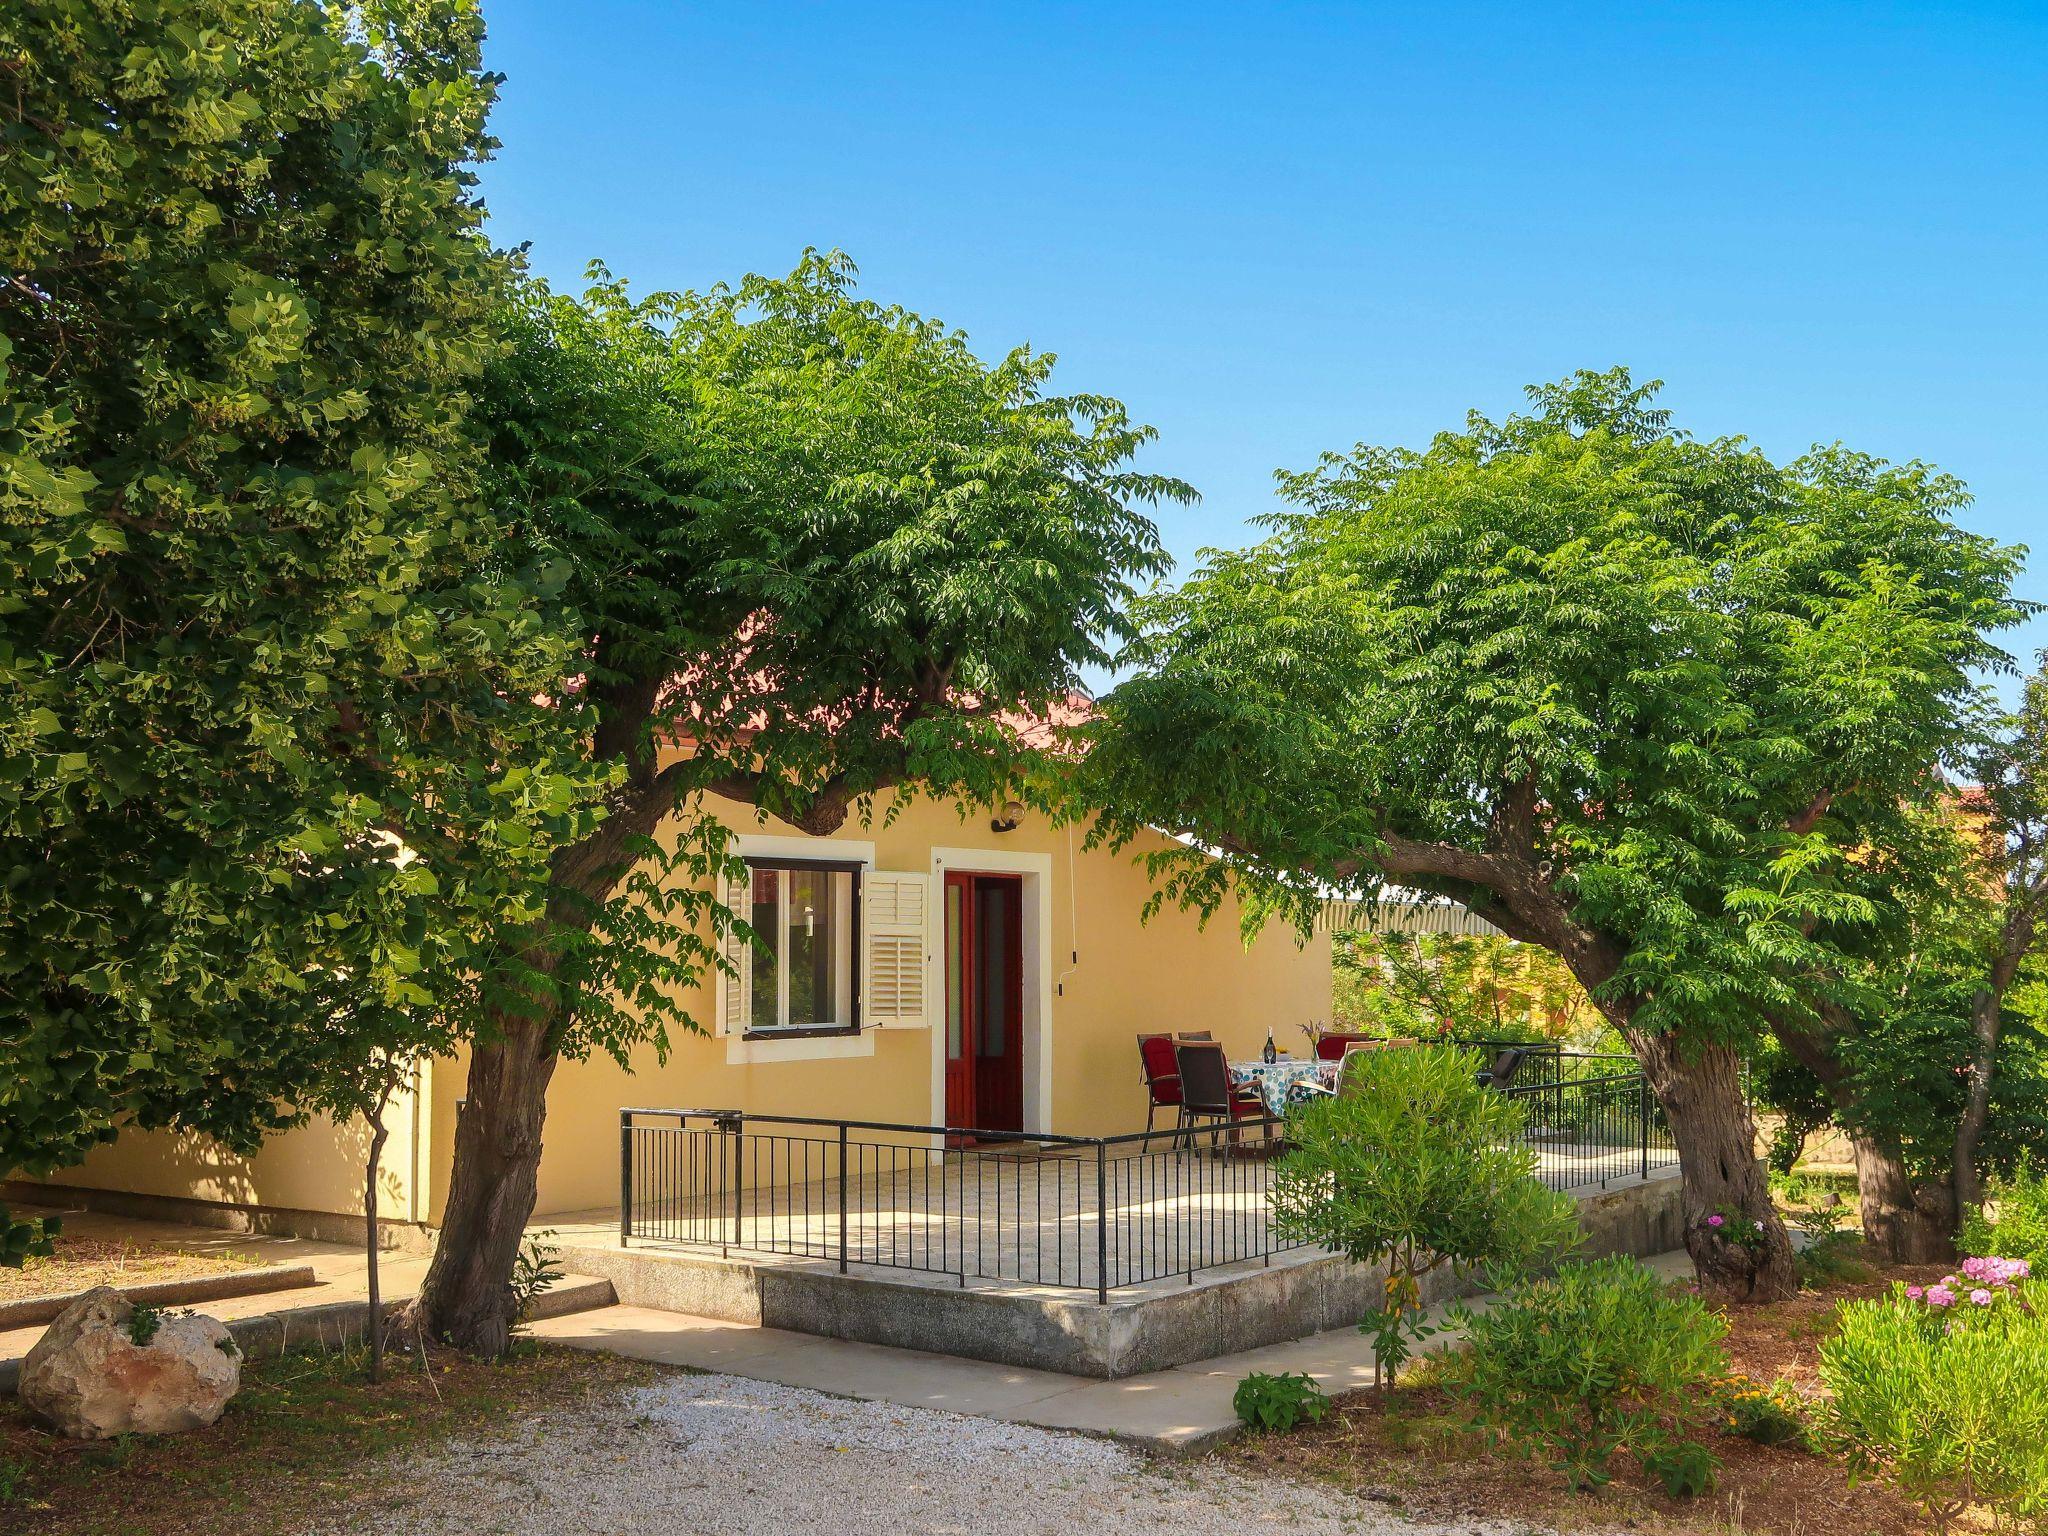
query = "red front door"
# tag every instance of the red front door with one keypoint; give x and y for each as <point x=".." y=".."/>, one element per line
<point x="985" y="1002"/>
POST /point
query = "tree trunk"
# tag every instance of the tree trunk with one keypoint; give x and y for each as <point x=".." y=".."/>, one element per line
<point x="466" y="1298"/>
<point x="1903" y="1221"/>
<point x="1987" y="1010"/>
<point x="1698" y="1086"/>
<point x="1906" y="1222"/>
<point x="378" y="1134"/>
<point x="1747" y="1254"/>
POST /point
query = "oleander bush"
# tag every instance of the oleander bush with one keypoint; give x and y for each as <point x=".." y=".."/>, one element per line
<point x="1414" y="1165"/>
<point x="1943" y="1391"/>
<point x="1597" y="1359"/>
<point x="2017" y="1227"/>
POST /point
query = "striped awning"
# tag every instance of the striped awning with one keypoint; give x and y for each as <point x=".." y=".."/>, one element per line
<point x="1405" y="912"/>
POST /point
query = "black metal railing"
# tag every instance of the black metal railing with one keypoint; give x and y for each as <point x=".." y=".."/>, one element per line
<point x="1593" y="1129"/>
<point x="1072" y="1212"/>
<point x="1086" y="1213"/>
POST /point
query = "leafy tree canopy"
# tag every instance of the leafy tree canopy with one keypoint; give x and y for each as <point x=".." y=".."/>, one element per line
<point x="258" y="635"/>
<point x="815" y="542"/>
<point x="1620" y="690"/>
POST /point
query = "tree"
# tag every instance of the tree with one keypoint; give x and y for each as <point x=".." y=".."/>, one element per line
<point x="2012" y="778"/>
<point x="816" y="549"/>
<point x="258" y="636"/>
<point x="1912" y="1040"/>
<point x="1600" y="682"/>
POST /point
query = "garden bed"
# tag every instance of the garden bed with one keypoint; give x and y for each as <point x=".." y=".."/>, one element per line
<point x="80" y="1263"/>
<point x="1413" y="1454"/>
<point x="305" y="1436"/>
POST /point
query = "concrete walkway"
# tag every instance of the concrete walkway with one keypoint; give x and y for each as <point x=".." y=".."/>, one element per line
<point x="1175" y="1412"/>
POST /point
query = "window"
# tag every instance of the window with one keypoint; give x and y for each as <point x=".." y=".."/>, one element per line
<point x="806" y="936"/>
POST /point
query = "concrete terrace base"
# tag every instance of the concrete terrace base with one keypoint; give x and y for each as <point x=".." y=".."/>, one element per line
<point x="1221" y="1312"/>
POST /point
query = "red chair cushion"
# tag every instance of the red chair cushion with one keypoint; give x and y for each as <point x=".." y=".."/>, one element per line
<point x="1331" y="1047"/>
<point x="1162" y="1071"/>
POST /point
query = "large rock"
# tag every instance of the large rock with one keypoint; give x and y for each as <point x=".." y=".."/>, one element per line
<point x="89" y="1379"/>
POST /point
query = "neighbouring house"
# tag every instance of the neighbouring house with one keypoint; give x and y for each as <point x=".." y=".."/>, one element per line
<point x="944" y="966"/>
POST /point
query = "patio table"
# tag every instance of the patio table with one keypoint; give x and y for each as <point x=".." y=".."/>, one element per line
<point x="1281" y="1083"/>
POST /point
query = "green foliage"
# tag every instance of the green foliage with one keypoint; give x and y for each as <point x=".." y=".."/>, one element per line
<point x="1816" y="1207"/>
<point x="274" y="781"/>
<point x="1279" y="1402"/>
<point x="1950" y="1404"/>
<point x="25" y="1238"/>
<point x="1651" y="701"/>
<point x="1414" y="1165"/>
<point x="1468" y="988"/>
<point x="1769" y="1414"/>
<point x="1685" y="1468"/>
<point x="1594" y="1360"/>
<point x="1781" y="1086"/>
<point x="2015" y="1225"/>
<point x="144" y="1323"/>
<point x="535" y="1271"/>
<point x="1671" y="646"/>
<point x="818" y="538"/>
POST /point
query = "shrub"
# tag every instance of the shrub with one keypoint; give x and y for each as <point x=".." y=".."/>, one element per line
<point x="2021" y="1228"/>
<point x="25" y="1238"/>
<point x="1831" y="1252"/>
<point x="1769" y="1414"/>
<point x="1946" y="1394"/>
<point x="1596" y="1359"/>
<point x="535" y="1269"/>
<point x="1416" y="1165"/>
<point x="1279" y="1402"/>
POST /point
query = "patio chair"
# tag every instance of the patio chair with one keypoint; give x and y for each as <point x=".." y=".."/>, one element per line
<point x="1344" y="1073"/>
<point x="1206" y="1090"/>
<point x="1162" y="1078"/>
<point x="1505" y="1066"/>
<point x="1336" y="1047"/>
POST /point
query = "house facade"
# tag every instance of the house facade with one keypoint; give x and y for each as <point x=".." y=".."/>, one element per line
<point x="934" y="966"/>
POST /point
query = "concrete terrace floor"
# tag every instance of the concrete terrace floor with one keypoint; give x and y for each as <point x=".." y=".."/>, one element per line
<point x="998" y="1218"/>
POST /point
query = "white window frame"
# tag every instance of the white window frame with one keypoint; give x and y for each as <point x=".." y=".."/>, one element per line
<point x="759" y="1047"/>
<point x="851" y="935"/>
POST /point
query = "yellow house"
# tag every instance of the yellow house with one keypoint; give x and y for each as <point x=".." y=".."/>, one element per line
<point x="939" y="967"/>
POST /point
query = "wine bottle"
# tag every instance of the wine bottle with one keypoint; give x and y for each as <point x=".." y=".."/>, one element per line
<point x="1272" y="1052"/>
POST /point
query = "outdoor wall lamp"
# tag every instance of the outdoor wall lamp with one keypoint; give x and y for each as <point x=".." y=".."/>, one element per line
<point x="1006" y="819"/>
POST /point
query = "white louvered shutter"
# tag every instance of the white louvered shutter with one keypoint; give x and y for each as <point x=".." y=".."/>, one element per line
<point x="893" y="919"/>
<point x="736" y="992"/>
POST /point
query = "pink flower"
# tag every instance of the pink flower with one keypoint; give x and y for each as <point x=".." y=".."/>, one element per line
<point x="1997" y="1272"/>
<point x="1713" y="1221"/>
<point x="1980" y="1297"/>
<point x="1940" y="1296"/>
<point x="1915" y="1292"/>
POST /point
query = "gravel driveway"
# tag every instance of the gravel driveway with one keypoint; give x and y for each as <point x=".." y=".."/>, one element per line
<point x="721" y="1456"/>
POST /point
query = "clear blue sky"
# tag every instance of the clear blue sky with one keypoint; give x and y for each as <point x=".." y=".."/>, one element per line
<point x="1275" y="230"/>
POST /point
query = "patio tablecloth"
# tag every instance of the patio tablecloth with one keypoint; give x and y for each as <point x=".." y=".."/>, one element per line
<point x="1281" y="1083"/>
